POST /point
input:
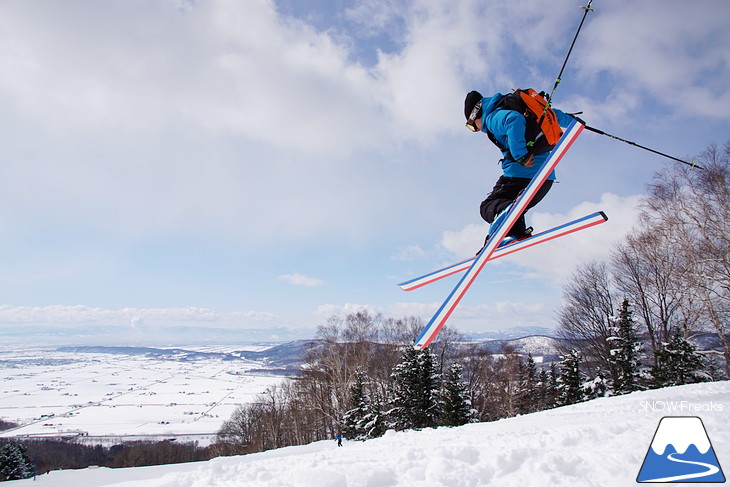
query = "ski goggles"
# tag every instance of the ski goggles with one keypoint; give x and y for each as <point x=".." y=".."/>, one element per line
<point x="471" y="121"/>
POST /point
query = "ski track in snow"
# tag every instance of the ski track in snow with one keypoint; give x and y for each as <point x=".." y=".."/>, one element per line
<point x="601" y="442"/>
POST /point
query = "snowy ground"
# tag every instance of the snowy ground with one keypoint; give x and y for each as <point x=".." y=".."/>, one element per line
<point x="601" y="442"/>
<point x="116" y="397"/>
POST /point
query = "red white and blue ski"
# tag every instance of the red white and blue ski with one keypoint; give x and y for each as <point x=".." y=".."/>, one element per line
<point x="448" y="307"/>
<point x="508" y="248"/>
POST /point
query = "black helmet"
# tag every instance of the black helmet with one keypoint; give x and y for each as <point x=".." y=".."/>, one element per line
<point x="472" y="99"/>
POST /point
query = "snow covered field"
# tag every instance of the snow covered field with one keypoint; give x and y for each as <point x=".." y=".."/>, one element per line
<point x="110" y="397"/>
<point x="601" y="442"/>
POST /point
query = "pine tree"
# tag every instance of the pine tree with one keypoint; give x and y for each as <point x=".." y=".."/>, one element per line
<point x="545" y="393"/>
<point x="416" y="391"/>
<point x="625" y="351"/>
<point x="570" y="380"/>
<point x="363" y="421"/>
<point x="15" y="463"/>
<point x="527" y="394"/>
<point x="677" y="363"/>
<point x="456" y="406"/>
<point x="552" y="389"/>
<point x="597" y="387"/>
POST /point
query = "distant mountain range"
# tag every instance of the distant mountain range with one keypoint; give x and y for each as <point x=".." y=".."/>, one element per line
<point x="284" y="359"/>
<point x="511" y="333"/>
<point x="287" y="358"/>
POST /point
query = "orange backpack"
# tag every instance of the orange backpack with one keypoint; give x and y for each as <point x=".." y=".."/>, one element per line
<point x="543" y="130"/>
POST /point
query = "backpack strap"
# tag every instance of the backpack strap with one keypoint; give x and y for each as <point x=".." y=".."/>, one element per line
<point x="495" y="142"/>
<point x="499" y="105"/>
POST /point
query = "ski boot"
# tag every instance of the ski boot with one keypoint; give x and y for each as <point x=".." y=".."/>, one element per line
<point x="516" y="238"/>
<point x="509" y="239"/>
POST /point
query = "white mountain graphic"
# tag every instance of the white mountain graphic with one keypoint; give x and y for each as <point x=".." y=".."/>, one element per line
<point x="680" y="432"/>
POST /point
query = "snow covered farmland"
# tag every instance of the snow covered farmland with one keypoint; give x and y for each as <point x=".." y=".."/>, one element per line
<point x="106" y="395"/>
<point x="601" y="442"/>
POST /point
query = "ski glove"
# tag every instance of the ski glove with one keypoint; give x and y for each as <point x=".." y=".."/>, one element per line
<point x="526" y="160"/>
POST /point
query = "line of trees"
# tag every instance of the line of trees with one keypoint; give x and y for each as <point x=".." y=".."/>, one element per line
<point x="362" y="377"/>
<point x="674" y="271"/>
<point x="18" y="458"/>
<point x="311" y="407"/>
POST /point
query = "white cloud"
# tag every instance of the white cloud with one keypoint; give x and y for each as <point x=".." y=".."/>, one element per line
<point x="422" y="85"/>
<point x="628" y="54"/>
<point x="230" y="67"/>
<point x="191" y="119"/>
<point x="410" y="252"/>
<point x="374" y="16"/>
<point x="327" y="310"/>
<point x="79" y="316"/>
<point x="224" y="67"/>
<point x="672" y="51"/>
<point x="298" y="279"/>
<point x="420" y="310"/>
<point x="465" y="242"/>
<point x="482" y="317"/>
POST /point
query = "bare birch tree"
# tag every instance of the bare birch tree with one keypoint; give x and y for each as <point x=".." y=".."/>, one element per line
<point x="585" y="318"/>
<point x="693" y="206"/>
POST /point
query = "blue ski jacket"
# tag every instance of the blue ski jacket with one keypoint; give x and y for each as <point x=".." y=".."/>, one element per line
<point x="508" y="127"/>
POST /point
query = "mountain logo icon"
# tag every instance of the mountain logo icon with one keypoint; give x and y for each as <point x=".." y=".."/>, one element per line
<point x="681" y="452"/>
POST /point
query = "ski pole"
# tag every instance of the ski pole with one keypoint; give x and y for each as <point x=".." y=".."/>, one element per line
<point x="586" y="9"/>
<point x="549" y="98"/>
<point x="601" y="132"/>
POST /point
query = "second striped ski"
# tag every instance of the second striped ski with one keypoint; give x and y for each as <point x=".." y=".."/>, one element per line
<point x="506" y="249"/>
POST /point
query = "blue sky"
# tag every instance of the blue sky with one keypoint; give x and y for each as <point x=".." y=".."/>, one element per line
<point x="265" y="164"/>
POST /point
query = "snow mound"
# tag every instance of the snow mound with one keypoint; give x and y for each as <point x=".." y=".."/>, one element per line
<point x="600" y="442"/>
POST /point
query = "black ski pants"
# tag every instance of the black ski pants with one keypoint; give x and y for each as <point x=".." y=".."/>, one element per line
<point x="505" y="191"/>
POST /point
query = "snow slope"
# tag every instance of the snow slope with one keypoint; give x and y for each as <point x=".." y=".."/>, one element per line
<point x="601" y="442"/>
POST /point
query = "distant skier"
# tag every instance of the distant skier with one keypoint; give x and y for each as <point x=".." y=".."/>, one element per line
<point x="339" y="439"/>
<point x="524" y="153"/>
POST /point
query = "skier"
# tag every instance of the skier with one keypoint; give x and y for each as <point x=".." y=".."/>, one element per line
<point x="339" y="439"/>
<point x="521" y="161"/>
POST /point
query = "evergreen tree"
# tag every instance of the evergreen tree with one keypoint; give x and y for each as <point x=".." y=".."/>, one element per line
<point x="553" y="384"/>
<point x="352" y="419"/>
<point x="677" y="363"/>
<point x="15" y="462"/>
<point x="570" y="380"/>
<point x="595" y="388"/>
<point x="545" y="393"/>
<point x="625" y="348"/>
<point x="527" y="394"/>
<point x="416" y="391"/>
<point x="456" y="405"/>
<point x="363" y="421"/>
